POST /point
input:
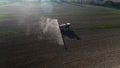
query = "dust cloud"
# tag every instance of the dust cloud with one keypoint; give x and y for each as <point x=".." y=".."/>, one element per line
<point x="28" y="17"/>
<point x="44" y="28"/>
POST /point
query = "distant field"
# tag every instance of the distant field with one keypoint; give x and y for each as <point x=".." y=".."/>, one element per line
<point x="65" y="10"/>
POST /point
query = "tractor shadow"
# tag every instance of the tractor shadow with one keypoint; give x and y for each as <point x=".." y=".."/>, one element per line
<point x="70" y="34"/>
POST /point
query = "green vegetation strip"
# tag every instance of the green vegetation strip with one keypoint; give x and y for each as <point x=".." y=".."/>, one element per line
<point x="97" y="27"/>
<point x="116" y="12"/>
<point x="79" y="13"/>
<point x="74" y="13"/>
<point x="12" y="32"/>
<point x="2" y="16"/>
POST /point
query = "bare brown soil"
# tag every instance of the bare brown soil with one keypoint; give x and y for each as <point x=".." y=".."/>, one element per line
<point x="96" y="48"/>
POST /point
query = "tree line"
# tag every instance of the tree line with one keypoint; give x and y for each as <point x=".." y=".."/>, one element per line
<point x="61" y="1"/>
